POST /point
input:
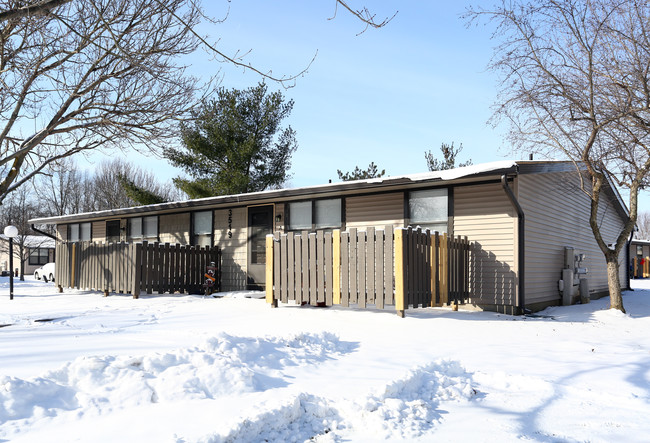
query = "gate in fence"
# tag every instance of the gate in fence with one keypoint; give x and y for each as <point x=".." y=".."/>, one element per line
<point x="135" y="267"/>
<point x="401" y="267"/>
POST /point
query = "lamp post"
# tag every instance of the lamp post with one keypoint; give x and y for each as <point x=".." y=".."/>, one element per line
<point x="11" y="231"/>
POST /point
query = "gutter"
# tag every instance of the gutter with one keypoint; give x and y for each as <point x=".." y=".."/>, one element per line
<point x="521" y="299"/>
<point x="47" y="234"/>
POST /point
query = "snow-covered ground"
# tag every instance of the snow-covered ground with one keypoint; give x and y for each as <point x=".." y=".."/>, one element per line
<point x="80" y="367"/>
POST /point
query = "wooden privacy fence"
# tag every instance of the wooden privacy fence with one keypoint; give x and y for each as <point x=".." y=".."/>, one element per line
<point x="134" y="267"/>
<point x="404" y="267"/>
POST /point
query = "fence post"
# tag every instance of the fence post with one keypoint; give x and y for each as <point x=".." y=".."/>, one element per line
<point x="400" y="293"/>
<point x="137" y="276"/>
<point x="269" y="272"/>
<point x="444" y="269"/>
<point x="336" y="267"/>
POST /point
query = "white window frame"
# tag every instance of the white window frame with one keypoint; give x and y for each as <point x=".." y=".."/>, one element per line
<point x="433" y="224"/>
<point x="314" y="223"/>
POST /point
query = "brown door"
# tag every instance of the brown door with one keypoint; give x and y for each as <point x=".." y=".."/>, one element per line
<point x="260" y="223"/>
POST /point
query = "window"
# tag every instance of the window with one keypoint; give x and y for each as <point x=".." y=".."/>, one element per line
<point x="74" y="232"/>
<point x="79" y="232"/>
<point x="113" y="231"/>
<point x="299" y="215"/>
<point x="143" y="228"/>
<point x="150" y="228"/>
<point x="39" y="256"/>
<point x="318" y="214"/>
<point x="327" y="213"/>
<point x="429" y="209"/>
<point x="202" y="228"/>
<point x="135" y="228"/>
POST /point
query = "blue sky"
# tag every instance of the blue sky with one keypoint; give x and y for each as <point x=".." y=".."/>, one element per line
<point x="386" y="95"/>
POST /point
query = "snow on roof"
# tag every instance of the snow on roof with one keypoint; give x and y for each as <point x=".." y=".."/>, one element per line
<point x="33" y="241"/>
<point x="450" y="174"/>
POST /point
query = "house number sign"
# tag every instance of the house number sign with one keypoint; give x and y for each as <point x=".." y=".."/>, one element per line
<point x="229" y="223"/>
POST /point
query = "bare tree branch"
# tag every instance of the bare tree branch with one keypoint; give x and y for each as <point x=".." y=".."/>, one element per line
<point x="78" y="75"/>
<point x="38" y="8"/>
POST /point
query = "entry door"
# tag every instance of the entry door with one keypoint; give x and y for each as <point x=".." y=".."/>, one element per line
<point x="260" y="224"/>
<point x="113" y="231"/>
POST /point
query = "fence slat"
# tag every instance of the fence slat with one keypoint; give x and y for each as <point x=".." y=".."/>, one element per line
<point x="291" y="275"/>
<point x="304" y="239"/>
<point x="320" y="268"/>
<point x="370" y="265"/>
<point x="354" y="274"/>
<point x="276" y="267"/>
<point x="409" y="254"/>
<point x="336" y="267"/>
<point x="379" y="269"/>
<point x="328" y="264"/>
<point x="284" y="296"/>
<point x="345" y="269"/>
<point x="313" y="299"/>
<point x="388" y="265"/>
<point x="298" y="271"/>
<point x="361" y="269"/>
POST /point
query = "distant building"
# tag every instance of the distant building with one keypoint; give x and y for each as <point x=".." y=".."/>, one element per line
<point x="38" y="250"/>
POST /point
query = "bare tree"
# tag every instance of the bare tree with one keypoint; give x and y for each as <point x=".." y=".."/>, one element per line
<point x="63" y="189"/>
<point x="19" y="208"/>
<point x="643" y="223"/>
<point x="108" y="192"/>
<point x="91" y="74"/>
<point x="78" y="75"/>
<point x="575" y="81"/>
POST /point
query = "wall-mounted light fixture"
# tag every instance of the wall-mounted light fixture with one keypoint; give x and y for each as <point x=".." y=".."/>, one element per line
<point x="278" y="218"/>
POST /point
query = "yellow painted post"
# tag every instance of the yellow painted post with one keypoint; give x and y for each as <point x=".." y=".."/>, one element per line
<point x="269" y="272"/>
<point x="336" y="266"/>
<point x="400" y="293"/>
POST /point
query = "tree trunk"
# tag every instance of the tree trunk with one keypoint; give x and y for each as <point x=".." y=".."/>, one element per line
<point x="614" y="283"/>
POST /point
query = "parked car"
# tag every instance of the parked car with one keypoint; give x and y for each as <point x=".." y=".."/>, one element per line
<point x="45" y="272"/>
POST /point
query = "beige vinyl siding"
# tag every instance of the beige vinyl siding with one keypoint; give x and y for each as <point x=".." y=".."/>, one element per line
<point x="98" y="231"/>
<point x="557" y="215"/>
<point x="377" y="210"/>
<point x="484" y="214"/>
<point x="62" y="232"/>
<point x="233" y="247"/>
<point x="174" y="228"/>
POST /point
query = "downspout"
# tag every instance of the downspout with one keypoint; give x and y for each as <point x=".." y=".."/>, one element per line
<point x="47" y="234"/>
<point x="521" y="299"/>
<point x="628" y="261"/>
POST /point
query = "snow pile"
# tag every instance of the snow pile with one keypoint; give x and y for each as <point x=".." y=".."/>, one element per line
<point x="223" y="365"/>
<point x="406" y="408"/>
<point x="305" y="418"/>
